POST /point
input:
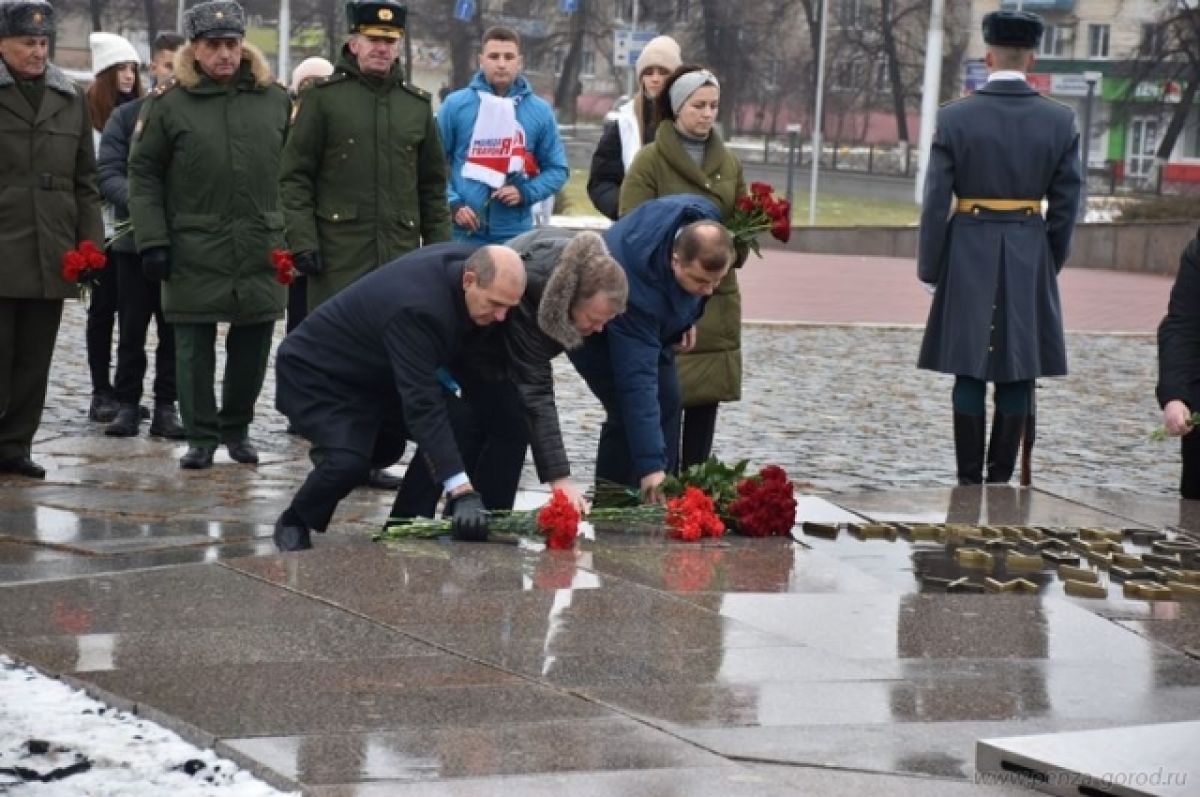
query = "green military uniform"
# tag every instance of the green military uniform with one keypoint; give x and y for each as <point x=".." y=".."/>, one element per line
<point x="48" y="205"/>
<point x="363" y="179"/>
<point x="203" y="173"/>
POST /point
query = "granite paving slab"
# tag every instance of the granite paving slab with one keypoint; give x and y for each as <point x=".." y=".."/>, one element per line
<point x="1180" y="630"/>
<point x="299" y="698"/>
<point x="108" y="534"/>
<point x="589" y="745"/>
<point x="995" y="505"/>
<point x="1153" y="511"/>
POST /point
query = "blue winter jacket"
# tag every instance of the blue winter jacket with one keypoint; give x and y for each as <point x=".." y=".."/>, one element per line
<point x="658" y="312"/>
<point x="456" y="121"/>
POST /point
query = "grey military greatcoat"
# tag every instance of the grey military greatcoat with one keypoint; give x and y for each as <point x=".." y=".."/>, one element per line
<point x="996" y="314"/>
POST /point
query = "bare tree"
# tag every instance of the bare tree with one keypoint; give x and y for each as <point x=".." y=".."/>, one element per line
<point x="566" y="94"/>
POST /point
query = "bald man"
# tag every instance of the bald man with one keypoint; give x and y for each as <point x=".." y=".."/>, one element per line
<point x="358" y="377"/>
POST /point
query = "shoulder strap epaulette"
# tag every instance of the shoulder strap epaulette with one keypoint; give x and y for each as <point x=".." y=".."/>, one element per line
<point x="163" y="88"/>
<point x="329" y="80"/>
<point x="416" y="91"/>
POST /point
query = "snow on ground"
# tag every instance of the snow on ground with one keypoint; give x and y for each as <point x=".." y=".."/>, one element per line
<point x="48" y="729"/>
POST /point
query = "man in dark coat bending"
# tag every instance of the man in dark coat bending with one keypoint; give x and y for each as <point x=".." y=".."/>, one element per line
<point x="358" y="377"/>
<point x="992" y="256"/>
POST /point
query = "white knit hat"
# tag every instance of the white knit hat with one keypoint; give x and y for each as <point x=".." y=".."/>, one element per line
<point x="310" y="67"/>
<point x="109" y="49"/>
<point x="660" y="51"/>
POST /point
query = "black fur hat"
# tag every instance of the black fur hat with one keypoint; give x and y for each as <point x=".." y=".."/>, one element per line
<point x="26" y="18"/>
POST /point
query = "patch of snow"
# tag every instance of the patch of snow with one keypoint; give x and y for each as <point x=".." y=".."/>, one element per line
<point x="50" y="730"/>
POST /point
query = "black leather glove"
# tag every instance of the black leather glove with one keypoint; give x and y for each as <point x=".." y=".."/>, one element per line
<point x="156" y="263"/>
<point x="469" y="518"/>
<point x="307" y="263"/>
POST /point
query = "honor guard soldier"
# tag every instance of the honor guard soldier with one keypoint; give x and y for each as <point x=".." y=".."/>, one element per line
<point x="203" y="196"/>
<point x="991" y="254"/>
<point x="48" y="206"/>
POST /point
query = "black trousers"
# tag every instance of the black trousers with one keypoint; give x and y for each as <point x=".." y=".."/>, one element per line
<point x="699" y="428"/>
<point x="338" y="470"/>
<point x="1189" y="477"/>
<point x="489" y="427"/>
<point x="138" y="301"/>
<point x="297" y="306"/>
<point x="101" y="317"/>
<point x="28" y="328"/>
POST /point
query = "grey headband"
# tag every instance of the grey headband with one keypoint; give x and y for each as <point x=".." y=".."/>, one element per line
<point x="687" y="84"/>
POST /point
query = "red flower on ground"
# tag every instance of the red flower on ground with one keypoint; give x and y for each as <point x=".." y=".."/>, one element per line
<point x="559" y="522"/>
<point x="692" y="516"/>
<point x="766" y="504"/>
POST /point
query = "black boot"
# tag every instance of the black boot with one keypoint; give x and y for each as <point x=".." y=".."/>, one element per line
<point x="291" y="535"/>
<point x="103" y="408"/>
<point x="1003" y="446"/>
<point x="242" y="451"/>
<point x="197" y="458"/>
<point x="380" y="479"/>
<point x="126" y="423"/>
<point x="22" y="466"/>
<point x="166" y="423"/>
<point x="968" y="447"/>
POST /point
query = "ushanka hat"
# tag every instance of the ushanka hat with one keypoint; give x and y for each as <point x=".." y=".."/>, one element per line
<point x="26" y="18"/>
<point x="1013" y="29"/>
<point x="217" y="19"/>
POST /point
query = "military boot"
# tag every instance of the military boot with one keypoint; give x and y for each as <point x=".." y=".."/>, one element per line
<point x="166" y="422"/>
<point x="968" y="447"/>
<point x="1007" y="431"/>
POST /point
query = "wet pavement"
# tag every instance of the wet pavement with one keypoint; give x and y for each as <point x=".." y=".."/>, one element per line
<point x="634" y="665"/>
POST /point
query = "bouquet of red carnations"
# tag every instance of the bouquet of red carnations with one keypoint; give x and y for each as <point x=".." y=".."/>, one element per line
<point x="285" y="269"/>
<point x="82" y="267"/>
<point x="757" y="212"/>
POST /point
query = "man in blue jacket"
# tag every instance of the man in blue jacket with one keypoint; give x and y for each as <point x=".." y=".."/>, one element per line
<point x="496" y="211"/>
<point x="675" y="253"/>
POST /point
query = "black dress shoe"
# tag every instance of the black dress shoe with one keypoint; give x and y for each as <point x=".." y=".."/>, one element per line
<point x="166" y="423"/>
<point x="242" y="451"/>
<point x="125" y="424"/>
<point x="380" y="479"/>
<point x="22" y="466"/>
<point x="103" y="408"/>
<point x="197" y="458"/>
<point x="291" y="538"/>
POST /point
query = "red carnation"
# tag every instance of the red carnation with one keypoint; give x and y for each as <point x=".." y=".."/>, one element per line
<point x="766" y="504"/>
<point x="94" y="258"/>
<point x="693" y="516"/>
<point x="781" y="230"/>
<point x="745" y="203"/>
<point x="761" y="189"/>
<point x="285" y="271"/>
<point x="559" y="521"/>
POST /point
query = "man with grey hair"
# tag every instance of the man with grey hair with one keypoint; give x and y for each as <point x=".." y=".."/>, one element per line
<point x="358" y="377"/>
<point x="48" y="206"/>
<point x="991" y="255"/>
<point x="505" y="375"/>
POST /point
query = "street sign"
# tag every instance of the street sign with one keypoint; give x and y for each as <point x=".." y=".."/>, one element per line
<point x="464" y="10"/>
<point x="628" y="45"/>
<point x="974" y="75"/>
<point x="568" y="6"/>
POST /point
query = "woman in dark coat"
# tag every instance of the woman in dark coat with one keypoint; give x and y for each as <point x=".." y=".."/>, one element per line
<point x="115" y="66"/>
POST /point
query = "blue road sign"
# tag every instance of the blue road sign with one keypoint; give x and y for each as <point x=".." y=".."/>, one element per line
<point x="568" y="6"/>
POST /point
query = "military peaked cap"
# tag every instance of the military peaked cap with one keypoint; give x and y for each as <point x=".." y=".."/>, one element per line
<point x="1012" y="29"/>
<point x="217" y="19"/>
<point x="26" y="18"/>
<point x="376" y="18"/>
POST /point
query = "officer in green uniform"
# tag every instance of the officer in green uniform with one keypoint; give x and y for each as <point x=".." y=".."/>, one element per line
<point x="203" y="196"/>
<point x="48" y="205"/>
<point x="364" y="175"/>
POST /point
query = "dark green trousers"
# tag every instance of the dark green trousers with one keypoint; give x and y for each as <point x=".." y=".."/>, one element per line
<point x="247" y="348"/>
<point x="28" y="328"/>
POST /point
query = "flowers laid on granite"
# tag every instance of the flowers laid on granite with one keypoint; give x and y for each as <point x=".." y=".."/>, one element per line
<point x="285" y="268"/>
<point x="559" y="521"/>
<point x="556" y="523"/>
<point x="82" y="267"/>
<point x="766" y="504"/>
<point x="757" y="212"/>
<point x="692" y="516"/>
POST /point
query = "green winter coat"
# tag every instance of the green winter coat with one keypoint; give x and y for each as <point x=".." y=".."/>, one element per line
<point x="48" y="197"/>
<point x="364" y="175"/>
<point x="204" y="180"/>
<point x="712" y="371"/>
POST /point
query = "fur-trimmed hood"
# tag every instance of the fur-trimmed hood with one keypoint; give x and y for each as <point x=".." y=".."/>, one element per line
<point x="188" y="75"/>
<point x="55" y="78"/>
<point x="582" y="253"/>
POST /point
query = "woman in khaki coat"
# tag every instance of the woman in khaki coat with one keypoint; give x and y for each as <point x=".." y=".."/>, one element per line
<point x="689" y="157"/>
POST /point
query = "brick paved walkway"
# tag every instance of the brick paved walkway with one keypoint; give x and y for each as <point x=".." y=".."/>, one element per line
<point x="824" y="289"/>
